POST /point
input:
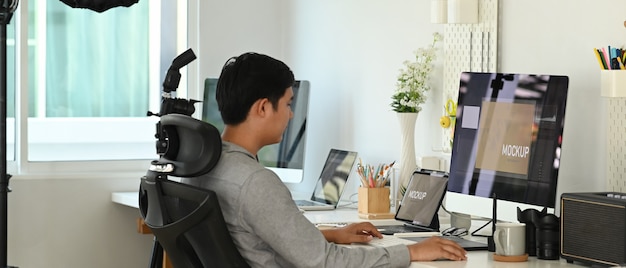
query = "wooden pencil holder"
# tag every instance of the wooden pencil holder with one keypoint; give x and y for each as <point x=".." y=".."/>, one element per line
<point x="373" y="200"/>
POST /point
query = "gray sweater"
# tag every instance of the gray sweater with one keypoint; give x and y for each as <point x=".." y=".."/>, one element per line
<point x="268" y="228"/>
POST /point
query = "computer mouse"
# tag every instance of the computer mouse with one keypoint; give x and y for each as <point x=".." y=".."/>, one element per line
<point x="448" y="231"/>
<point x="454" y="231"/>
<point x="459" y="232"/>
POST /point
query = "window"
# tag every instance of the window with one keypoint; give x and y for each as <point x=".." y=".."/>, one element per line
<point x="10" y="101"/>
<point x="89" y="81"/>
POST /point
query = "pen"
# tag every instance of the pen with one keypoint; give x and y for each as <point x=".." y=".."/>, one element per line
<point x="379" y="174"/>
<point x="606" y="58"/>
<point x="603" y="62"/>
<point x="614" y="64"/>
<point x="386" y="177"/>
<point x="599" y="58"/>
<point x="361" y="172"/>
<point x="370" y="170"/>
<point x="373" y="176"/>
<point x="621" y="63"/>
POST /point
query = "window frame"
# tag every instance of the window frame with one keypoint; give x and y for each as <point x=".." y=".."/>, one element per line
<point x="165" y="42"/>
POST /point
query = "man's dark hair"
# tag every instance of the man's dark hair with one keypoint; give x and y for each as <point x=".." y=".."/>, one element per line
<point x="248" y="78"/>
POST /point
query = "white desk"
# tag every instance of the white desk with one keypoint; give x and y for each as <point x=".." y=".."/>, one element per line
<point x="130" y="199"/>
<point x="475" y="259"/>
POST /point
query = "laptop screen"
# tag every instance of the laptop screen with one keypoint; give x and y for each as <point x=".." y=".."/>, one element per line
<point x="422" y="197"/>
<point x="334" y="177"/>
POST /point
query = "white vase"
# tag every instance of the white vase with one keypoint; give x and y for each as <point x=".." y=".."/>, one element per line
<point x="408" y="162"/>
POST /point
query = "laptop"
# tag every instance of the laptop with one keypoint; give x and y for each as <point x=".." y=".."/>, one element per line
<point x="332" y="181"/>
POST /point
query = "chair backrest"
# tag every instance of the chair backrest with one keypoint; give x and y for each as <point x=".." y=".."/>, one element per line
<point x="187" y="221"/>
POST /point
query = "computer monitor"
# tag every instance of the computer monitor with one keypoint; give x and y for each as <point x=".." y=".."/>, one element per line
<point x="507" y="143"/>
<point x="286" y="158"/>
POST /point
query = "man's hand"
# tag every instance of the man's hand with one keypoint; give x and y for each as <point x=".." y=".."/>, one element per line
<point x="361" y="232"/>
<point x="437" y="248"/>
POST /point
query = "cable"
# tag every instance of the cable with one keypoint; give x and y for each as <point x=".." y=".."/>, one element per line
<point x="480" y="228"/>
<point x="350" y="201"/>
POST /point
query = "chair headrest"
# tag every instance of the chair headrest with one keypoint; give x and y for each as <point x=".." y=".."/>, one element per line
<point x="194" y="146"/>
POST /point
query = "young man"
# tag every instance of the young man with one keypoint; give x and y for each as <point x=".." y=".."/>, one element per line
<point x="254" y="95"/>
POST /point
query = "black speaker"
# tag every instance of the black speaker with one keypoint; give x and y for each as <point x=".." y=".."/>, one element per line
<point x="593" y="228"/>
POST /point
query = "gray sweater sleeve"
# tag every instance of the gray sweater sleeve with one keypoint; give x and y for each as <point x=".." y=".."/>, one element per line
<point x="268" y="211"/>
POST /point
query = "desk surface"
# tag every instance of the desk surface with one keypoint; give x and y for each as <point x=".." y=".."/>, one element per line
<point x="474" y="259"/>
<point x="130" y="199"/>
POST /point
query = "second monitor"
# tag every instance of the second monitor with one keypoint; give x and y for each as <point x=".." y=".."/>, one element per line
<point x="507" y="143"/>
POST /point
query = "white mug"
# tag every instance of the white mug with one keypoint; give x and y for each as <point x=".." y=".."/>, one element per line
<point x="510" y="239"/>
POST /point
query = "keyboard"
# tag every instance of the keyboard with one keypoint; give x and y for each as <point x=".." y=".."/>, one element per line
<point x="332" y="224"/>
<point x="467" y="244"/>
<point x="389" y="240"/>
<point x="392" y="229"/>
<point x="308" y="203"/>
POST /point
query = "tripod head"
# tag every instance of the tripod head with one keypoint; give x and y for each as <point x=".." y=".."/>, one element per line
<point x="169" y="103"/>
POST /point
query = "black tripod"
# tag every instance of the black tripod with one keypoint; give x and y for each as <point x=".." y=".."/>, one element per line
<point x="170" y="105"/>
<point x="7" y="7"/>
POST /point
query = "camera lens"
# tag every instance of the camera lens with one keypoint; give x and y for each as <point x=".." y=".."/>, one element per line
<point x="548" y="244"/>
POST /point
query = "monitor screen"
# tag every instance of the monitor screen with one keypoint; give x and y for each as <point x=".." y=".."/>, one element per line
<point x="286" y="158"/>
<point x="507" y="137"/>
<point x="425" y="191"/>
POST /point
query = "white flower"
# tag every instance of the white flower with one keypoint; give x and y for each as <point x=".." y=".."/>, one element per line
<point x="412" y="81"/>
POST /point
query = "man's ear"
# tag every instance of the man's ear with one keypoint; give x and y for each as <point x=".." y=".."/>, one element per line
<point x="259" y="108"/>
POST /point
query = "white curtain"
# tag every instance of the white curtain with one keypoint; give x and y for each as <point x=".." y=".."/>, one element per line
<point x="96" y="63"/>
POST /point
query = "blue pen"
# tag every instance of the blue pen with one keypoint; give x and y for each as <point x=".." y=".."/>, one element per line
<point x="614" y="64"/>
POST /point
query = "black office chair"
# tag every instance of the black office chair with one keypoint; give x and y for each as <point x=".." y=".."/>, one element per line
<point x="187" y="221"/>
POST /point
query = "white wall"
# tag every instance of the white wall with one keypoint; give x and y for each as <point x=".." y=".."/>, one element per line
<point x="545" y="37"/>
<point x="71" y="222"/>
<point x="230" y="28"/>
<point x="351" y="51"/>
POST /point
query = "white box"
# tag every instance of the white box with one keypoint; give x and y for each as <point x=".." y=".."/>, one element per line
<point x="613" y="83"/>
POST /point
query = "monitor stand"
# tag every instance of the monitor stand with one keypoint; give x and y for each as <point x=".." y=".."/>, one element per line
<point x="491" y="245"/>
